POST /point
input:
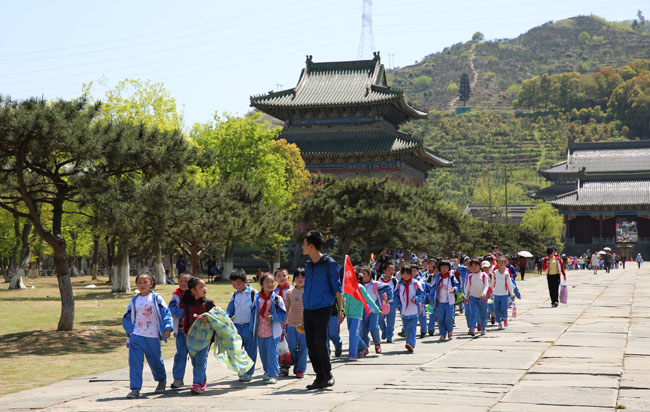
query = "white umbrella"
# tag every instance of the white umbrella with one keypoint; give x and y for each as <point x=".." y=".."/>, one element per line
<point x="609" y="249"/>
<point x="602" y="252"/>
<point x="525" y="254"/>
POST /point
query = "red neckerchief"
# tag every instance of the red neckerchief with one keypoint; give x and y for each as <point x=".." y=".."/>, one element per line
<point x="264" y="303"/>
<point x="442" y="277"/>
<point x="408" y="289"/>
<point x="384" y="280"/>
<point x="283" y="291"/>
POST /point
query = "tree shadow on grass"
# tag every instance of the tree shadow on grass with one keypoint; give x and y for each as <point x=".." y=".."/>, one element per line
<point x="50" y="342"/>
<point x="104" y="322"/>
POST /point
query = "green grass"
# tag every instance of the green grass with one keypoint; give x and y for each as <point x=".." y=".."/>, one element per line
<point x="34" y="354"/>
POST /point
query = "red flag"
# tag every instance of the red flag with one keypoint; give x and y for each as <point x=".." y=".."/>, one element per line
<point x="351" y="285"/>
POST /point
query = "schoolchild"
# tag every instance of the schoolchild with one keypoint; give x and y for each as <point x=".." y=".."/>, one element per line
<point x="354" y="312"/>
<point x="487" y="267"/>
<point x="461" y="273"/>
<point x="146" y="322"/>
<point x="503" y="289"/>
<point x="409" y="295"/>
<point x="422" y="315"/>
<point x="195" y="303"/>
<point x="443" y="298"/>
<point x="176" y="309"/>
<point x="268" y="313"/>
<point x="476" y="293"/>
<point x="239" y="309"/>
<point x="433" y="270"/>
<point x="282" y="279"/>
<point x="387" y="322"/>
<point x="376" y="290"/>
<point x="295" y="329"/>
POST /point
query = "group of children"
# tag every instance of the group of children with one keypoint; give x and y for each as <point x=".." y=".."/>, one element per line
<point x="264" y="319"/>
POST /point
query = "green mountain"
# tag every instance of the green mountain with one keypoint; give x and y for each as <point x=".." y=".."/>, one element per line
<point x="497" y="68"/>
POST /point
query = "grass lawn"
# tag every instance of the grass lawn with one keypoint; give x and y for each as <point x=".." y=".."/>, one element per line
<point x="33" y="354"/>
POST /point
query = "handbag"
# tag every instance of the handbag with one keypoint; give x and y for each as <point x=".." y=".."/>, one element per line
<point x="383" y="306"/>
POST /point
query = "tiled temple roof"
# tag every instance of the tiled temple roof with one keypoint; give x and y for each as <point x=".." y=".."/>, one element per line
<point x="607" y="193"/>
<point x="344" y="83"/>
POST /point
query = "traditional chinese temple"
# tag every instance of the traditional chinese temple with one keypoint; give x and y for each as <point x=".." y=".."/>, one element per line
<point x="345" y="120"/>
<point x="603" y="191"/>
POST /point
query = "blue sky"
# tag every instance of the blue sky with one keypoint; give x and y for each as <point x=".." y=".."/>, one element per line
<point x="212" y="55"/>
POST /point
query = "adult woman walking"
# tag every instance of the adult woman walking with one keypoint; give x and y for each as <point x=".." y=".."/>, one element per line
<point x="552" y="267"/>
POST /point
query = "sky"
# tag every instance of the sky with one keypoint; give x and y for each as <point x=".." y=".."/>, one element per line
<point x="213" y="55"/>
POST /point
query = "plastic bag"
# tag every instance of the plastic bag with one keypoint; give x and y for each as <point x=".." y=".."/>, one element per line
<point x="284" y="355"/>
<point x="564" y="293"/>
<point x="514" y="311"/>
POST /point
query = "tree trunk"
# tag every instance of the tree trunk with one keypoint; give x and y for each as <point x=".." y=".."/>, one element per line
<point x="110" y="257"/>
<point x="194" y="259"/>
<point x="229" y="257"/>
<point x="171" y="263"/>
<point x="159" y="269"/>
<point x="66" y="321"/>
<point x="122" y="278"/>
<point x="14" y="254"/>
<point x="94" y="263"/>
<point x="33" y="269"/>
<point x="277" y="261"/>
<point x="25" y="255"/>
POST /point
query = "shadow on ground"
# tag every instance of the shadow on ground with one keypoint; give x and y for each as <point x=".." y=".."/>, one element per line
<point x="39" y="342"/>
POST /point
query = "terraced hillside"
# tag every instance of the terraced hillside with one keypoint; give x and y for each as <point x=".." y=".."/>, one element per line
<point x="483" y="143"/>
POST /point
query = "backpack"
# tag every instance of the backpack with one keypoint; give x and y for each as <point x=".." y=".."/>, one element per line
<point x="252" y="295"/>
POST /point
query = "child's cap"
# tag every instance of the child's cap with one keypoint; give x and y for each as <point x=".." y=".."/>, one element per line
<point x="485" y="264"/>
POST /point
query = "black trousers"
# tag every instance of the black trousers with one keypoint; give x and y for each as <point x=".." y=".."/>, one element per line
<point x="553" y="287"/>
<point x="316" y="322"/>
<point x="522" y="272"/>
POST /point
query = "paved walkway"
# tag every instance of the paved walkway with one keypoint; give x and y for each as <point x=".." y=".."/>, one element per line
<point x="589" y="355"/>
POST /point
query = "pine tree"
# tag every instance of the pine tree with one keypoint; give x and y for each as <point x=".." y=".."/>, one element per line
<point x="464" y="92"/>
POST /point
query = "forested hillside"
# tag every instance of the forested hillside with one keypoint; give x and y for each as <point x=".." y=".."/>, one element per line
<point x="498" y="67"/>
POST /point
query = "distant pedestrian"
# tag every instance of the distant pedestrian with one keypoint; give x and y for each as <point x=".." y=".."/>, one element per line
<point x="553" y="267"/>
<point x="181" y="264"/>
<point x="639" y="259"/>
<point x="594" y="262"/>
<point x="522" y="262"/>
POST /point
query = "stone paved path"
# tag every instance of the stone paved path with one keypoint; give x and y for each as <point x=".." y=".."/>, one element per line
<point x="589" y="355"/>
